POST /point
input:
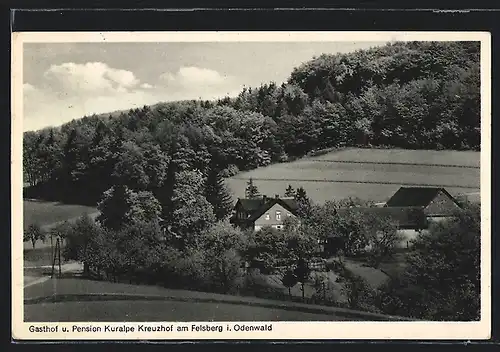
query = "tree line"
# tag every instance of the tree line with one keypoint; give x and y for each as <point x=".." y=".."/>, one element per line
<point x="440" y="279"/>
<point x="405" y="95"/>
<point x="157" y="176"/>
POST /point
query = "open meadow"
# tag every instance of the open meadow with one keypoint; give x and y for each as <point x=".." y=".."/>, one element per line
<point x="49" y="214"/>
<point x="371" y="174"/>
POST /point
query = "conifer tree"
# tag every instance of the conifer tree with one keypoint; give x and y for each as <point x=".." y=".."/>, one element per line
<point x="217" y="194"/>
<point x="289" y="192"/>
<point x="303" y="202"/>
<point x="251" y="192"/>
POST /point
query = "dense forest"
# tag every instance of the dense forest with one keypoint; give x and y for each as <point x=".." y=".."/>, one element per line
<point x="419" y="95"/>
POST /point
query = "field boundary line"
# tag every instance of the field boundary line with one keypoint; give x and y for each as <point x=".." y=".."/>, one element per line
<point x="349" y="181"/>
<point x="392" y="163"/>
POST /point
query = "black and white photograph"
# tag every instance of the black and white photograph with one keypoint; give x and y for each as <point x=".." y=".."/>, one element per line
<point x="252" y="180"/>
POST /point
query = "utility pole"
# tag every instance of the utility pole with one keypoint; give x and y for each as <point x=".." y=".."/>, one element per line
<point x="57" y="257"/>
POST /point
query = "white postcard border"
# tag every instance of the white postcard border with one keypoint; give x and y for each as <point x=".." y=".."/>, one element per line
<point x="280" y="330"/>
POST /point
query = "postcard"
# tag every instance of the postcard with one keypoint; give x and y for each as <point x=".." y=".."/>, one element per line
<point x="251" y="185"/>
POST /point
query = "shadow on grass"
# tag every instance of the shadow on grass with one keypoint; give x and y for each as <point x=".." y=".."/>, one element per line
<point x="353" y="315"/>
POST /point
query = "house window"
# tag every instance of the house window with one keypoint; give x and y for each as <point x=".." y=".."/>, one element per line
<point x="278" y="215"/>
<point x="268" y="216"/>
<point x="278" y="227"/>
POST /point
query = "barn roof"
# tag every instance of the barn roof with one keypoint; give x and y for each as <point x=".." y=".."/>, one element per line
<point x="415" y="196"/>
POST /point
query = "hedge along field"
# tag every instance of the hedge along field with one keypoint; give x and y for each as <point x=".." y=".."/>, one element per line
<point x="373" y="174"/>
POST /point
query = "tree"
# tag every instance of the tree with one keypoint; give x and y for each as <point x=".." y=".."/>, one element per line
<point x="130" y="168"/>
<point x="302" y="272"/>
<point x="289" y="280"/>
<point x="140" y="249"/>
<point x="143" y="208"/>
<point x="344" y="226"/>
<point x="81" y="234"/>
<point x="31" y="163"/>
<point x="320" y="283"/>
<point x="251" y="192"/>
<point x="103" y="154"/>
<point x="300" y="243"/>
<point x="404" y="95"/>
<point x="217" y="193"/>
<point x="75" y="162"/>
<point x="303" y="203"/>
<point x="113" y="207"/>
<point x="289" y="192"/>
<point x="61" y="230"/>
<point x="268" y="247"/>
<point x="383" y="238"/>
<point x="33" y="233"/>
<point x="358" y="292"/>
<point x="191" y="212"/>
<point x="121" y="206"/>
<point x="442" y="280"/>
<point x="223" y="246"/>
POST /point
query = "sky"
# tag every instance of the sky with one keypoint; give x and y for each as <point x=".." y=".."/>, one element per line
<point x="64" y="81"/>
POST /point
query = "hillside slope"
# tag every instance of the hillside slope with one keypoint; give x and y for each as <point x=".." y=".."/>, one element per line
<point x="370" y="174"/>
<point x="405" y="95"/>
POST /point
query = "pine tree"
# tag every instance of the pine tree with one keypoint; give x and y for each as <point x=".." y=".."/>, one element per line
<point x="217" y="194"/>
<point x="303" y="202"/>
<point x="289" y="192"/>
<point x="251" y="192"/>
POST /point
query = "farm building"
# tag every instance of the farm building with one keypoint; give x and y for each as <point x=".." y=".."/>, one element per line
<point x="412" y="208"/>
<point x="436" y="203"/>
<point x="263" y="211"/>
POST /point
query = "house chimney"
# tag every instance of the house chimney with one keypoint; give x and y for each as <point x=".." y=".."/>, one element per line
<point x="277" y="196"/>
<point x="264" y="198"/>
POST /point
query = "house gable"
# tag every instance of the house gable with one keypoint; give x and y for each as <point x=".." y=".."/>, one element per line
<point x="247" y="212"/>
<point x="274" y="216"/>
<point x="443" y="204"/>
<point x="240" y="212"/>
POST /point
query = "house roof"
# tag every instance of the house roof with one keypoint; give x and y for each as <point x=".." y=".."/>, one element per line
<point x="415" y="196"/>
<point x="406" y="217"/>
<point x="288" y="204"/>
<point x="250" y="204"/>
<point x="257" y="207"/>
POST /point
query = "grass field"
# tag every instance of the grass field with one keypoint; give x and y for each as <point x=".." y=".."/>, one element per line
<point x="136" y="310"/>
<point x="49" y="214"/>
<point x="372" y="174"/>
<point x="88" y="300"/>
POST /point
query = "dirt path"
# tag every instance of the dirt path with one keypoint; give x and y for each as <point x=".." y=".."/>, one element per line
<point x="40" y="274"/>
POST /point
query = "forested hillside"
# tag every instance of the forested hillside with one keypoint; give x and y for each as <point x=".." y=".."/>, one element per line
<point x="419" y="95"/>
